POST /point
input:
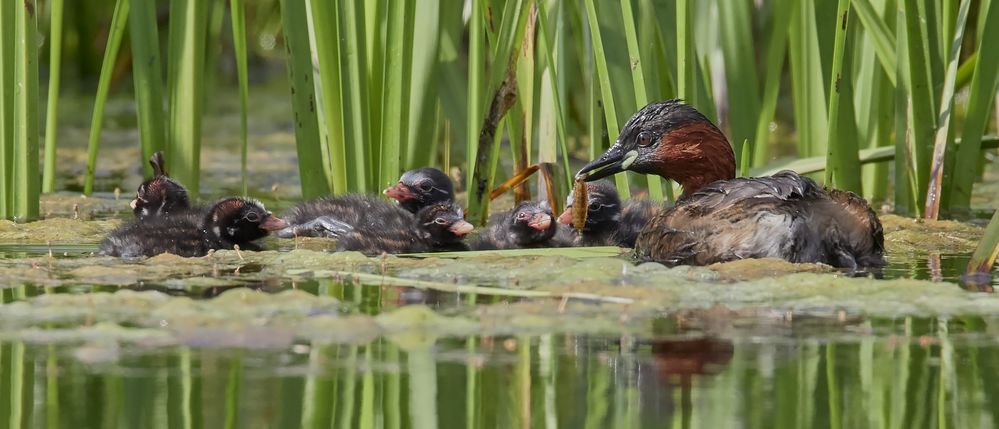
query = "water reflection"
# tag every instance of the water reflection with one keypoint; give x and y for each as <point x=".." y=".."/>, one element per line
<point x="912" y="373"/>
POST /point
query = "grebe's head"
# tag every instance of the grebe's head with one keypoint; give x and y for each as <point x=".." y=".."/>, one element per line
<point x="421" y="188"/>
<point x="532" y="222"/>
<point x="160" y="195"/>
<point x="670" y="139"/>
<point x="241" y="220"/>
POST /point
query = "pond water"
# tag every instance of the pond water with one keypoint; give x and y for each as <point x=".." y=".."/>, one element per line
<point x="238" y="345"/>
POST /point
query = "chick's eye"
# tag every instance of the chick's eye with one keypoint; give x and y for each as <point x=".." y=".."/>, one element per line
<point x="252" y="217"/>
<point x="644" y="138"/>
<point x="440" y="221"/>
<point x="593" y="206"/>
<point x="424" y="186"/>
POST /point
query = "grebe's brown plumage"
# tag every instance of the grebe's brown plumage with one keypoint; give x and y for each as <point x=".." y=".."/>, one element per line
<point x="720" y="218"/>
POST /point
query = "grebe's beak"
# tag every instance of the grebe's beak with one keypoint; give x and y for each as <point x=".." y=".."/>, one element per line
<point x="614" y="161"/>
<point x="400" y="192"/>
<point x="566" y="217"/>
<point x="540" y="221"/>
<point x="461" y="228"/>
<point x="273" y="223"/>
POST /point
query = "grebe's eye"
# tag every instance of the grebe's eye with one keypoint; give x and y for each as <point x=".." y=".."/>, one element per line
<point x="644" y="138"/>
<point x="522" y="215"/>
<point x="440" y="221"/>
<point x="594" y="206"/>
<point x="425" y="186"/>
<point x="252" y="217"/>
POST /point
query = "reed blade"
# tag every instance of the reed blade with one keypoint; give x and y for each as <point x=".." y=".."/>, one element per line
<point x="638" y="80"/>
<point x="148" y="81"/>
<point x="357" y="120"/>
<point x="985" y="254"/>
<point x="776" y="53"/>
<point x="841" y="147"/>
<point x="324" y="38"/>
<point x="922" y="101"/>
<point x="52" y="105"/>
<point x="237" y="14"/>
<point x="117" y="30"/>
<point x="942" y="139"/>
<point x="7" y="61"/>
<point x="741" y="82"/>
<point x="606" y="93"/>
<point x="27" y="184"/>
<point x="187" y="40"/>
<point x="310" y="158"/>
<point x="398" y="65"/>
<point x="983" y="90"/>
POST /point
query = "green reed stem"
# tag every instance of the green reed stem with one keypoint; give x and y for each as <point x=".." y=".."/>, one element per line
<point x="398" y="65"/>
<point x="776" y="53"/>
<point x="7" y="61"/>
<point x="476" y="98"/>
<point x="842" y="152"/>
<point x="324" y="26"/>
<point x="148" y="80"/>
<point x="920" y="88"/>
<point x="117" y="30"/>
<point x="880" y="36"/>
<point x="188" y="30"/>
<point x="26" y="177"/>
<point x="556" y="99"/>
<point x="237" y="14"/>
<point x="983" y="90"/>
<point x="638" y="80"/>
<point x="52" y="105"/>
<point x="741" y="82"/>
<point x="607" y="97"/>
<point x="311" y="168"/>
<point x="807" y="82"/>
<point x="356" y="95"/>
<point x="988" y="249"/>
<point x="943" y="136"/>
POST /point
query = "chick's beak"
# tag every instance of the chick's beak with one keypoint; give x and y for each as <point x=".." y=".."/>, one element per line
<point x="614" y="161"/>
<point x="273" y="223"/>
<point x="540" y="221"/>
<point x="399" y="192"/>
<point x="566" y="217"/>
<point x="461" y="228"/>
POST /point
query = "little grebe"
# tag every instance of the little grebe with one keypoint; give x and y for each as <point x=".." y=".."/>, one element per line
<point x="435" y="228"/>
<point x="529" y="225"/>
<point x="420" y="188"/>
<point x="229" y="222"/>
<point x="720" y="218"/>
<point x="161" y="195"/>
<point x="608" y="222"/>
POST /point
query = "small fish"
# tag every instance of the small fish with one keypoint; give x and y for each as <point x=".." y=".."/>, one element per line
<point x="579" y="205"/>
